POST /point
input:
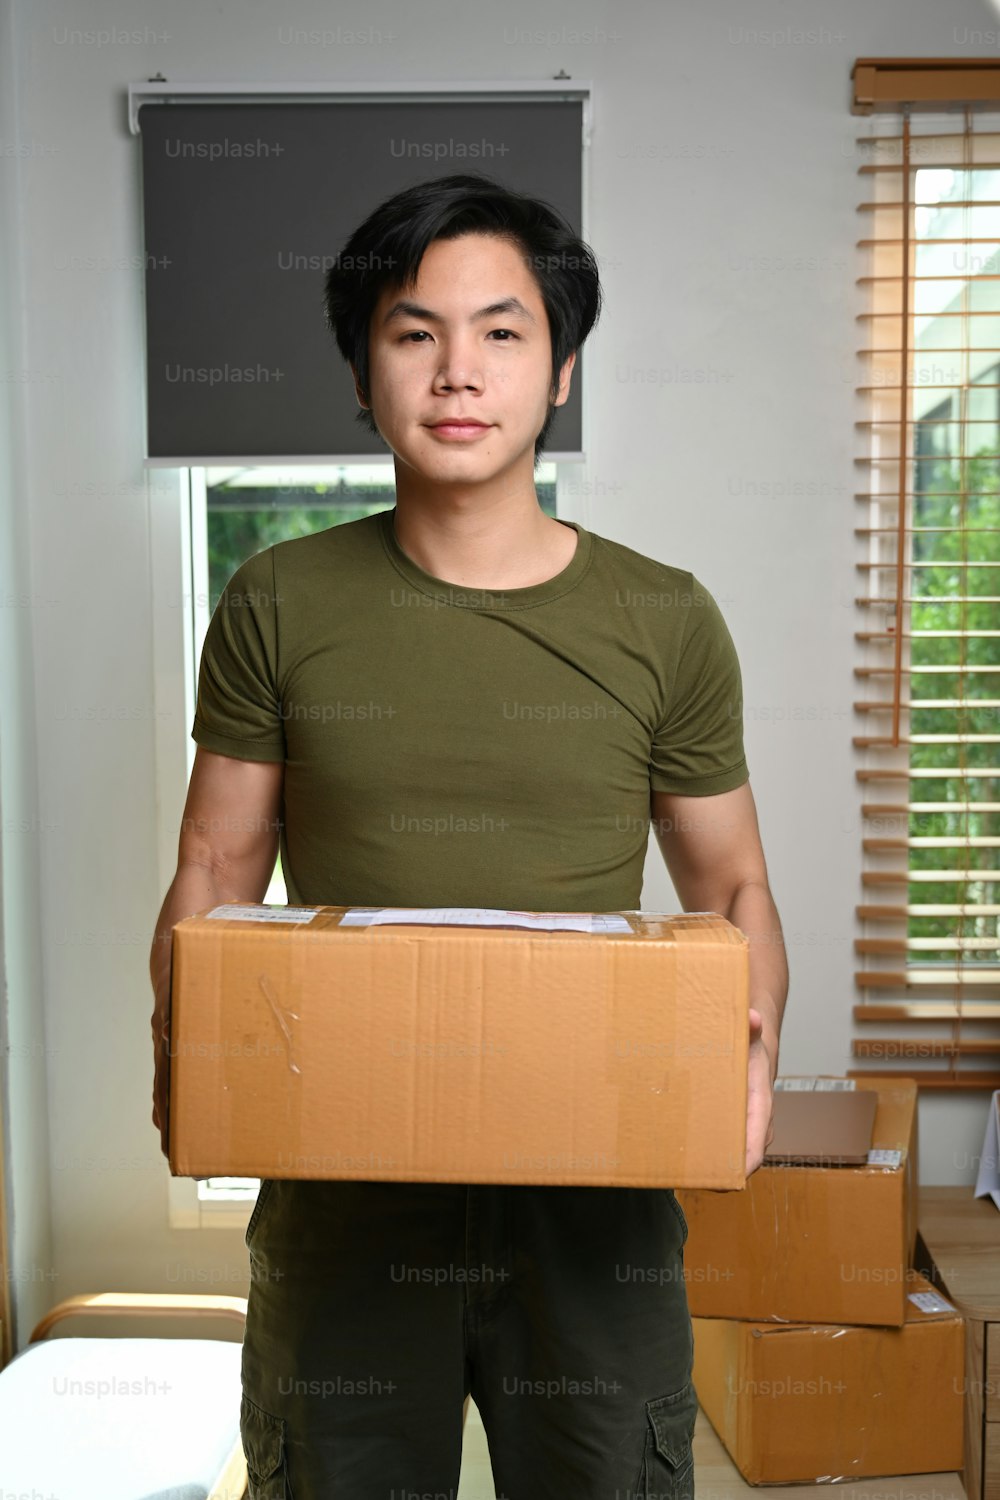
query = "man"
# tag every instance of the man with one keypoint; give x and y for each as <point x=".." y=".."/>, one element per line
<point x="531" y="694"/>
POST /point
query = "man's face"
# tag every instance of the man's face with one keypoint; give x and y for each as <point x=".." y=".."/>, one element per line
<point x="435" y="354"/>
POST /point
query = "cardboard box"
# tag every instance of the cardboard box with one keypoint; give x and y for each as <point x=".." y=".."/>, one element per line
<point x="797" y="1403"/>
<point x="812" y="1244"/>
<point x="456" y="1045"/>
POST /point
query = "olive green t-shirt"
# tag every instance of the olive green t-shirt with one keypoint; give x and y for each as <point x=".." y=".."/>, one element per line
<point x="459" y="747"/>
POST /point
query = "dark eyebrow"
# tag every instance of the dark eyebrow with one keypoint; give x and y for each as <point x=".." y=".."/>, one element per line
<point x="510" y="305"/>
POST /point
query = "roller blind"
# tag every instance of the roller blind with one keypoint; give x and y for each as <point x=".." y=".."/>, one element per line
<point x="245" y="204"/>
<point x="928" y="642"/>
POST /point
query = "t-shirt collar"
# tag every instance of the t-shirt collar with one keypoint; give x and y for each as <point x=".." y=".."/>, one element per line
<point x="489" y="599"/>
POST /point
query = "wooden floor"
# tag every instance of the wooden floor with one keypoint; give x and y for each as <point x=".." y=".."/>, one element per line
<point x="716" y="1476"/>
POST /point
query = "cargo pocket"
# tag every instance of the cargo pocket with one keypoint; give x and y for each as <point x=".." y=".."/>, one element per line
<point x="262" y="1195"/>
<point x="668" y="1461"/>
<point x="680" y="1214"/>
<point x="263" y="1439"/>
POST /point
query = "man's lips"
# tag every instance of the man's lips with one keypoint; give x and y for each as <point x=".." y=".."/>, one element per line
<point x="458" y="430"/>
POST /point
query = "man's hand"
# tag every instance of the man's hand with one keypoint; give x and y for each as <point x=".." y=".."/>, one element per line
<point x="760" y="1096"/>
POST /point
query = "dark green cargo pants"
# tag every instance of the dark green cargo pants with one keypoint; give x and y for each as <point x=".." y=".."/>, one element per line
<point x="376" y="1308"/>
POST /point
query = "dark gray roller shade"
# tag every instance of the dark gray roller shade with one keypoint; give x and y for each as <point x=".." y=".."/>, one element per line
<point x="245" y="204"/>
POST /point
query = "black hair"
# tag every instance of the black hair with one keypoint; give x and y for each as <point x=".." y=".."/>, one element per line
<point x="387" y="248"/>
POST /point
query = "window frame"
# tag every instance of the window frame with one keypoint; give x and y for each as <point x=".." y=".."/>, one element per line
<point x="181" y="613"/>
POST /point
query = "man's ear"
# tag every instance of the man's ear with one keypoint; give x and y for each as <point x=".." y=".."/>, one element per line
<point x="359" y="393"/>
<point x="564" y="380"/>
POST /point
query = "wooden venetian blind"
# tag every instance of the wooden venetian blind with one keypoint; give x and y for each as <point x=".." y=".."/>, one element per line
<point x="928" y="514"/>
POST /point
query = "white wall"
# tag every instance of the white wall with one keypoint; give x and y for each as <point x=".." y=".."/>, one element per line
<point x="28" y="841"/>
<point x="718" y="161"/>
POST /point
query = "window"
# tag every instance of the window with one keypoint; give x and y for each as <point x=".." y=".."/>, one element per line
<point x="225" y="388"/>
<point x="929" y="641"/>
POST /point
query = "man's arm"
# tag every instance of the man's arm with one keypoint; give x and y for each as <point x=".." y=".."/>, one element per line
<point x="226" y="852"/>
<point x="713" y="853"/>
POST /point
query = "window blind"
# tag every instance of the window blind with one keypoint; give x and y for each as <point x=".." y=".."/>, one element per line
<point x="245" y="204"/>
<point x="928" y="642"/>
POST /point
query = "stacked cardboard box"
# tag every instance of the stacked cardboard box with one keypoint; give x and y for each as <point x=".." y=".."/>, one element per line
<point x="800" y="1401"/>
<point x="820" y="1354"/>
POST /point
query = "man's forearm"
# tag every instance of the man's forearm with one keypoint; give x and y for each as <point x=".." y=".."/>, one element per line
<point x="753" y="911"/>
<point x="194" y="888"/>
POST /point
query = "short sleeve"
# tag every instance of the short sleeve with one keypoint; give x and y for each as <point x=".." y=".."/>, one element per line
<point x="238" y="711"/>
<point x="698" y="748"/>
